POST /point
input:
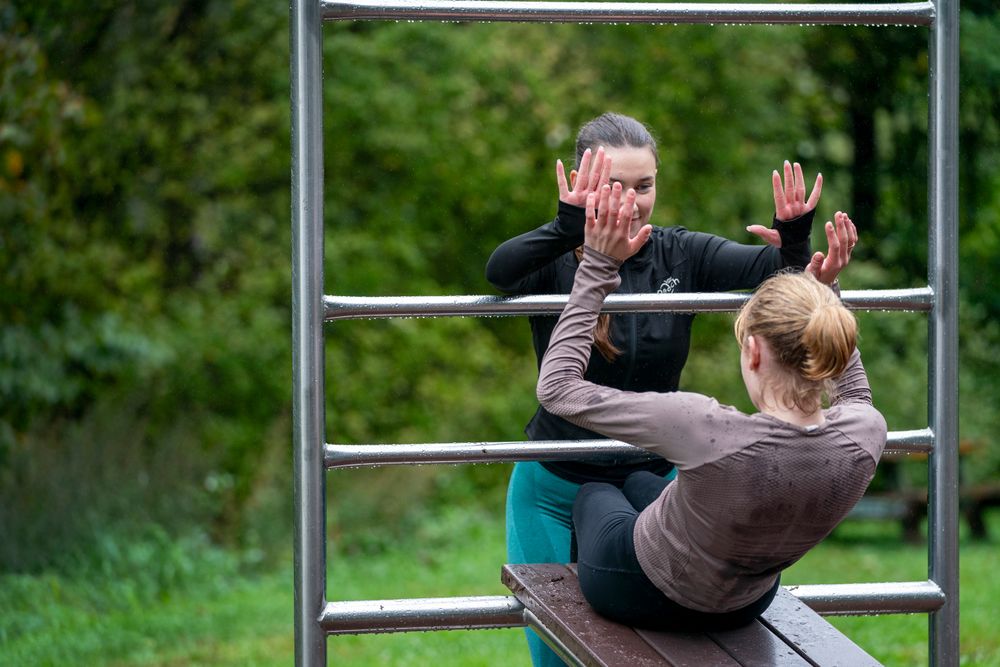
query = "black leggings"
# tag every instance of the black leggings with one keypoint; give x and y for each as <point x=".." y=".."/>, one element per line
<point x="611" y="578"/>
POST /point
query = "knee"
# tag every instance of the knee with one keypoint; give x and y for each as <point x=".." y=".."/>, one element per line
<point x="589" y="492"/>
<point x="642" y="488"/>
<point x="588" y="489"/>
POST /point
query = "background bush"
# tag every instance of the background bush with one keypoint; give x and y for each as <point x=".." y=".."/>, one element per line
<point x="144" y="235"/>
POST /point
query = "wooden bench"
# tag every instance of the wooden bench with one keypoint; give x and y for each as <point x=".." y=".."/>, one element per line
<point x="908" y="506"/>
<point x="787" y="634"/>
<point x="974" y="499"/>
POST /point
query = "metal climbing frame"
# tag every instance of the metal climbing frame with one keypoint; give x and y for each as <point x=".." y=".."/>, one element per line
<point x="315" y="617"/>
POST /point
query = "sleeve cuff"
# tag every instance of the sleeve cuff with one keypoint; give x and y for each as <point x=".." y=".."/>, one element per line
<point x="596" y="277"/>
<point x="796" y="230"/>
<point x="570" y="220"/>
<point x="600" y="258"/>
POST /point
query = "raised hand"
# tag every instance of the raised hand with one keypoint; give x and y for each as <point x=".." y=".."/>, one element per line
<point x="609" y="233"/>
<point x="789" y="200"/>
<point x="594" y="172"/>
<point x="841" y="236"/>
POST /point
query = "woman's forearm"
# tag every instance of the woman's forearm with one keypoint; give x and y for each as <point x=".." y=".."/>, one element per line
<point x="516" y="259"/>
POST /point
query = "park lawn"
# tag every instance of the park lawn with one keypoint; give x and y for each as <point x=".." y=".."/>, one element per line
<point x="870" y="551"/>
<point x="230" y="617"/>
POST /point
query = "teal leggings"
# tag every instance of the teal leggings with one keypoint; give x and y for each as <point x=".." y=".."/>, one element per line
<point x="539" y="518"/>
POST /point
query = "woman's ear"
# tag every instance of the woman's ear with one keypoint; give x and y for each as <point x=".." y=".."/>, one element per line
<point x="753" y="352"/>
<point x="572" y="178"/>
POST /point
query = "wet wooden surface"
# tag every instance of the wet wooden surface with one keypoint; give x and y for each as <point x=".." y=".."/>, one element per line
<point x="788" y="634"/>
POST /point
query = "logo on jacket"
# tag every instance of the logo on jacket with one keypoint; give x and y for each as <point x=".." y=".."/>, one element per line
<point x="668" y="285"/>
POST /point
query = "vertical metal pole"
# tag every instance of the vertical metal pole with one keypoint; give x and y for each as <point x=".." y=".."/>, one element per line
<point x="307" y="330"/>
<point x="943" y="334"/>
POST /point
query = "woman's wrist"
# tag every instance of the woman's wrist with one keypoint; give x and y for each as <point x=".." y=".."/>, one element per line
<point x="570" y="220"/>
<point x="795" y="230"/>
<point x="601" y="255"/>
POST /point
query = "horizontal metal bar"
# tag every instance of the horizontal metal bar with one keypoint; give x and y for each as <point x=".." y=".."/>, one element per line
<point x="382" y="307"/>
<point x="918" y="441"/>
<point x="894" y="13"/>
<point x="378" y="455"/>
<point x="506" y="611"/>
<point x="904" y="597"/>
<point x="421" y="614"/>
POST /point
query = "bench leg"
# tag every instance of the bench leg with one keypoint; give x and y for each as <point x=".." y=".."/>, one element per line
<point x="977" y="526"/>
<point x="911" y="522"/>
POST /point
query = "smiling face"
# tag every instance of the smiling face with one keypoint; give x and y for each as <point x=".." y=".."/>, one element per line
<point x="635" y="168"/>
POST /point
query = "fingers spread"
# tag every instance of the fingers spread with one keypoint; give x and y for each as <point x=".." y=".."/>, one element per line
<point x="561" y="179"/>
<point x="605" y="174"/>
<point x="640" y="239"/>
<point x="843" y="238"/>
<point x="602" y="203"/>
<point x="799" y="183"/>
<point x="816" y="265"/>
<point x="816" y="191"/>
<point x="584" y="170"/>
<point x="852" y="233"/>
<point x="769" y="236"/>
<point x="614" y="204"/>
<point x="627" y="208"/>
<point x="789" y="182"/>
<point x="779" y="193"/>
<point x="832" y="238"/>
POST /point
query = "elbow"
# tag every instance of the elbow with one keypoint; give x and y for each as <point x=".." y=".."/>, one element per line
<point x="549" y="393"/>
<point x="495" y="276"/>
<point x="544" y="394"/>
<point x="492" y="277"/>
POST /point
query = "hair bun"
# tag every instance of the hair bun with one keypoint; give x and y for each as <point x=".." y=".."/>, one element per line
<point x="809" y="331"/>
<point x="828" y="340"/>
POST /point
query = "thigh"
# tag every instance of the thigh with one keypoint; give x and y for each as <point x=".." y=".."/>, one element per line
<point x="539" y="515"/>
<point x="643" y="487"/>
<point x="611" y="578"/>
<point x="603" y="519"/>
<point x="539" y="511"/>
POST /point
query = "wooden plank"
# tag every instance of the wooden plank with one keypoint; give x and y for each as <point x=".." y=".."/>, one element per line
<point x="789" y="618"/>
<point x="551" y="592"/>
<point x="687" y="649"/>
<point x="754" y="645"/>
<point x="681" y="649"/>
<point x="788" y="634"/>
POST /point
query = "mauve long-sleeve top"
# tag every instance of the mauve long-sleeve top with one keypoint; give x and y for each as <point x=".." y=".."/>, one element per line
<point x="753" y="493"/>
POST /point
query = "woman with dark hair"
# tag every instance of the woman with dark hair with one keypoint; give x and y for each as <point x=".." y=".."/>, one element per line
<point x="754" y="492"/>
<point x="639" y="351"/>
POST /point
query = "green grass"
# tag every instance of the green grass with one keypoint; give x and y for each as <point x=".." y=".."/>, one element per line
<point x="215" y="610"/>
<point x="870" y="551"/>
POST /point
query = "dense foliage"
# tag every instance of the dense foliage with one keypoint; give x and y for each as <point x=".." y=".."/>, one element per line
<point x="144" y="233"/>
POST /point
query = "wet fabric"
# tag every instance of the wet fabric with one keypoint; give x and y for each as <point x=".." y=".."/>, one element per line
<point x="654" y="346"/>
<point x="611" y="578"/>
<point x="753" y="493"/>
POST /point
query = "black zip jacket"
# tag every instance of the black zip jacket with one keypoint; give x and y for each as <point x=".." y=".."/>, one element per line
<point x="654" y="346"/>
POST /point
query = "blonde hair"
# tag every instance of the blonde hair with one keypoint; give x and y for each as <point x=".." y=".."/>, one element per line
<point x="809" y="331"/>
